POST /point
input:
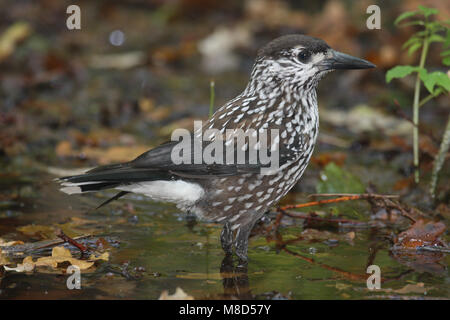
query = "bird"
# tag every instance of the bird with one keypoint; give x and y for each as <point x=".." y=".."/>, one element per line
<point x="280" y="96"/>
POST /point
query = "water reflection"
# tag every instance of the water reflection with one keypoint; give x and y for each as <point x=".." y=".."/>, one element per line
<point x="235" y="279"/>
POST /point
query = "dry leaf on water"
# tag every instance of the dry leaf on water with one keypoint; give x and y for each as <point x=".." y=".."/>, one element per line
<point x="11" y="37"/>
<point x="104" y="256"/>
<point x="26" y="266"/>
<point x="178" y="295"/>
<point x="421" y="233"/>
<point x="4" y="243"/>
<point x="410" y="288"/>
<point x="3" y="259"/>
<point x="59" y="255"/>
<point x="44" y="232"/>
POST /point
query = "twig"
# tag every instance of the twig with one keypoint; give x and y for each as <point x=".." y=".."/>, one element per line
<point x="58" y="242"/>
<point x="316" y="203"/>
<point x="346" y="274"/>
<point x="276" y="224"/>
<point x="361" y="195"/>
<point x="309" y="217"/>
<point x="433" y="249"/>
<point x="66" y="238"/>
<point x="342" y="197"/>
<point x="395" y="205"/>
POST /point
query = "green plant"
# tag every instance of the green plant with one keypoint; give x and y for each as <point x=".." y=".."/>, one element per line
<point x="436" y="82"/>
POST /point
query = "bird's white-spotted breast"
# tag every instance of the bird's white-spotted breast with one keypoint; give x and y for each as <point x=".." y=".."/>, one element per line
<point x="293" y="112"/>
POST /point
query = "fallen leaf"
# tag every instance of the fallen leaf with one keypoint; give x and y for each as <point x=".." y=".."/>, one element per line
<point x="114" y="154"/>
<point x="3" y="259"/>
<point x="64" y="149"/>
<point x="26" y="266"/>
<point x="178" y="295"/>
<point x="59" y="255"/>
<point x="11" y="37"/>
<point x="324" y="159"/>
<point x="104" y="256"/>
<point x="4" y="243"/>
<point x="363" y="118"/>
<point x="410" y="288"/>
<point x="45" y="232"/>
<point x="421" y="233"/>
<point x="120" y="61"/>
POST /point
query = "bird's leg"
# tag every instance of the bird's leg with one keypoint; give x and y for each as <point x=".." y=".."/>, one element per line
<point x="226" y="238"/>
<point x="241" y="242"/>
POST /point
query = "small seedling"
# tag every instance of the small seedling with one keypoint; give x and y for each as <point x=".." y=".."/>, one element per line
<point x="436" y="82"/>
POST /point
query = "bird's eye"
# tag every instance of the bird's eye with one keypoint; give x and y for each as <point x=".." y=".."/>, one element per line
<point x="304" y="56"/>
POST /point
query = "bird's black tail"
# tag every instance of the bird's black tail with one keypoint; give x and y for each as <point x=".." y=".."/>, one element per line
<point x="108" y="177"/>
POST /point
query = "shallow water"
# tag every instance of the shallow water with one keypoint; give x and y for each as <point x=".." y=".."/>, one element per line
<point x="153" y="248"/>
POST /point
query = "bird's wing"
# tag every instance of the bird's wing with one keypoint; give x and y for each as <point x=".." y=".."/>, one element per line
<point x="162" y="159"/>
<point x="158" y="164"/>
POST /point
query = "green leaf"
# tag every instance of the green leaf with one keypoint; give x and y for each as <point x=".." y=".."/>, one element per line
<point x="421" y="33"/>
<point x="334" y="179"/>
<point x="430" y="80"/>
<point x="447" y="39"/>
<point x="405" y="15"/>
<point x="400" y="72"/>
<point x="428" y="11"/>
<point x="446" y="61"/>
<point x="414" y="48"/>
<point x="435" y="26"/>
<point x="411" y="41"/>
<point x="413" y="23"/>
<point x="436" y="38"/>
<point x="445" y="53"/>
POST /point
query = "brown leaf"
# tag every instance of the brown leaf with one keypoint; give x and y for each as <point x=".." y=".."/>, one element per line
<point x="421" y="233"/>
<point x="59" y="255"/>
<point x="114" y="154"/>
<point x="11" y="37"/>
<point x="64" y="149"/>
<point x="44" y="232"/>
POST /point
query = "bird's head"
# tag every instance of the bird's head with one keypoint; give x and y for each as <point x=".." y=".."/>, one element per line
<point x="301" y="61"/>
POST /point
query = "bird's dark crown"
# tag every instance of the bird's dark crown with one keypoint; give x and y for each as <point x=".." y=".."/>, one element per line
<point x="274" y="48"/>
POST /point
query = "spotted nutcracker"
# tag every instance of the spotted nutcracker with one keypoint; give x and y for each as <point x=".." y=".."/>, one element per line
<point x="280" y="95"/>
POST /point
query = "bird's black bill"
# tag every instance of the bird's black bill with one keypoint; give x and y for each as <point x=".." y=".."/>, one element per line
<point x="340" y="60"/>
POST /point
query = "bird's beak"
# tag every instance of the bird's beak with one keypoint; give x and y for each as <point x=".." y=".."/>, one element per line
<point x="339" y="60"/>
